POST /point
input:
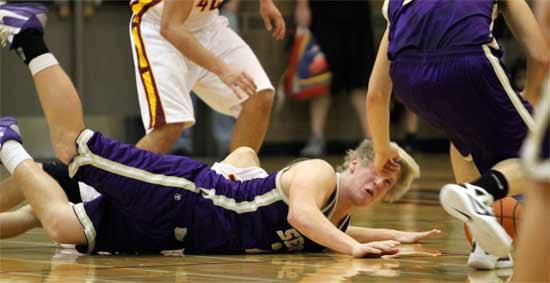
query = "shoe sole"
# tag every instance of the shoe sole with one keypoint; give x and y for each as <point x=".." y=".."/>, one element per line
<point x="488" y="233"/>
<point x="481" y="263"/>
<point x="501" y="264"/>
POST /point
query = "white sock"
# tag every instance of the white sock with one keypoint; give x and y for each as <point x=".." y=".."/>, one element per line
<point x="42" y="62"/>
<point x="12" y="154"/>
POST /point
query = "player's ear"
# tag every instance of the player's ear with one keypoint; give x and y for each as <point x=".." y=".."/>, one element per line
<point x="353" y="165"/>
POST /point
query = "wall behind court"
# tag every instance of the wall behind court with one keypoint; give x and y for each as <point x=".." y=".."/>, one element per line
<point x="108" y="86"/>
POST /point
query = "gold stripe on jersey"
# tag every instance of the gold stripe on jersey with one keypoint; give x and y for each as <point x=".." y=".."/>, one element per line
<point x="156" y="112"/>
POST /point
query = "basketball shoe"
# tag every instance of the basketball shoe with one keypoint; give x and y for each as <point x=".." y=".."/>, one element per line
<point x="473" y="206"/>
<point x="480" y="259"/>
<point x="16" y="18"/>
<point x="9" y="131"/>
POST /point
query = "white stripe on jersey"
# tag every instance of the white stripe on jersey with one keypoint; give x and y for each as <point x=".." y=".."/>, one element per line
<point x="87" y="157"/>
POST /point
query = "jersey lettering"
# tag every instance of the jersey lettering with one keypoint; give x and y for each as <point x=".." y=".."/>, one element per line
<point x="293" y="240"/>
<point x="209" y="4"/>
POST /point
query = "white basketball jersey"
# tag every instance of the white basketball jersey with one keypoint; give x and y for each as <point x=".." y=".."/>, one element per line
<point x="203" y="13"/>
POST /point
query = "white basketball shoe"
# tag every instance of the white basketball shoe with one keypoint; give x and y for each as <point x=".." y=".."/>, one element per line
<point x="473" y="206"/>
<point x="480" y="259"/>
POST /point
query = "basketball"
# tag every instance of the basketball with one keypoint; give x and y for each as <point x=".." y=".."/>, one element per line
<point x="508" y="213"/>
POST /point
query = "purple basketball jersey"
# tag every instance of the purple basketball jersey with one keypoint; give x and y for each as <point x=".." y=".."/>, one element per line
<point x="152" y="202"/>
<point x="438" y="24"/>
<point x="445" y="67"/>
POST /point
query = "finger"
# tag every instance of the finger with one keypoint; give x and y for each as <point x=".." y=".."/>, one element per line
<point x="281" y="27"/>
<point x="236" y="91"/>
<point x="435" y="232"/>
<point x="247" y="86"/>
<point x="251" y="80"/>
<point x="372" y="252"/>
<point x="393" y="164"/>
<point x="267" y="23"/>
<point x="391" y="251"/>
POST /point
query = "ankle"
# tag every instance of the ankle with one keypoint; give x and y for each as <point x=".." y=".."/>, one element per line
<point x="29" y="44"/>
<point x="494" y="182"/>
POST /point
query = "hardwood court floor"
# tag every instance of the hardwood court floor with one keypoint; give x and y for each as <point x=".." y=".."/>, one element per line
<point x="32" y="258"/>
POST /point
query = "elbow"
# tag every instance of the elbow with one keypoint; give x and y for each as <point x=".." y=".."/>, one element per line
<point x="296" y="219"/>
<point x="293" y="219"/>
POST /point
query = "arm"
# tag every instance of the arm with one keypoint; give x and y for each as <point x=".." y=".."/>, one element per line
<point x="174" y="15"/>
<point x="378" y="104"/>
<point x="311" y="183"/>
<point x="365" y="235"/>
<point x="524" y="26"/>
<point x="269" y="12"/>
<point x="306" y="194"/>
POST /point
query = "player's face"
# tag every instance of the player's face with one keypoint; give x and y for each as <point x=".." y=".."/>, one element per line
<point x="368" y="187"/>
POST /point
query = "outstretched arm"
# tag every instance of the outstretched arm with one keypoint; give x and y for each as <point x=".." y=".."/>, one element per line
<point x="526" y="30"/>
<point x="365" y="235"/>
<point x="312" y="182"/>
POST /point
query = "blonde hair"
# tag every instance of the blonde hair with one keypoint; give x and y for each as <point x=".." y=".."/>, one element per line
<point x="410" y="170"/>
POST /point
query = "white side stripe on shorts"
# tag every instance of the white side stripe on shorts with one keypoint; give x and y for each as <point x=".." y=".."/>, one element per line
<point x="89" y="229"/>
<point x="505" y="82"/>
<point x="87" y="157"/>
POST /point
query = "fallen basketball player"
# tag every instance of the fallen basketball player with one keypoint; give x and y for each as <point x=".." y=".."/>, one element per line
<point x="152" y="202"/>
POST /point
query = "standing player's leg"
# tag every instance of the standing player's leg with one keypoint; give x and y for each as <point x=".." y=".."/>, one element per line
<point x="465" y="170"/>
<point x="253" y="120"/>
<point x="242" y="164"/>
<point x="253" y="112"/>
<point x="161" y="139"/>
<point x="163" y="81"/>
<point x="243" y="157"/>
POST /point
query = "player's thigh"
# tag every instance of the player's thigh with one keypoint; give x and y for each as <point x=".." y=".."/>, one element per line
<point x="66" y="229"/>
<point x="464" y="168"/>
<point x="164" y="79"/>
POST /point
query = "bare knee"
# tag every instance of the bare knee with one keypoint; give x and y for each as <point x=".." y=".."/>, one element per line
<point x="62" y="226"/>
<point x="262" y="102"/>
<point x="160" y="139"/>
<point x="245" y="152"/>
<point x="243" y="157"/>
<point x="64" y="145"/>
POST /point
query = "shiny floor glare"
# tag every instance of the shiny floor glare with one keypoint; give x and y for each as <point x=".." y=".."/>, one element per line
<point x="33" y="258"/>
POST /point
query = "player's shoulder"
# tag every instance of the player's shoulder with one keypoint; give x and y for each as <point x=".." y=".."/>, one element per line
<point x="316" y="167"/>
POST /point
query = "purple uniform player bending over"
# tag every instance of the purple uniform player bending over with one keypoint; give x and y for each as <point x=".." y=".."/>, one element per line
<point x="440" y="58"/>
<point x="152" y="202"/>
